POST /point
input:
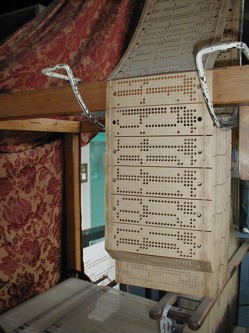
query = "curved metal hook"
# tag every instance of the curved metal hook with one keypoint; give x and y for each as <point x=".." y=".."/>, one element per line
<point x="202" y="77"/>
<point x="50" y="71"/>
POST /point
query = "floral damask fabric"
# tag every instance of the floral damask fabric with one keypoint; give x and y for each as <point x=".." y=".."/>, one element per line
<point x="30" y="228"/>
<point x="90" y="36"/>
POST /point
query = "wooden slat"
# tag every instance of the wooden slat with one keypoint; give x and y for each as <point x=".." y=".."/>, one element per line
<point x="50" y="125"/>
<point x="229" y="88"/>
<point x="243" y="143"/>
<point x="157" y="310"/>
<point x="52" y="102"/>
<point x="236" y="260"/>
<point x="73" y="211"/>
<point x="42" y="125"/>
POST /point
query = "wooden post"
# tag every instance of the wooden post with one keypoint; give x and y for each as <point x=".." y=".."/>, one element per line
<point x="243" y="143"/>
<point x="73" y="199"/>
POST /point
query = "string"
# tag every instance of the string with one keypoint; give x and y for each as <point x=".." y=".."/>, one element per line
<point x="165" y="322"/>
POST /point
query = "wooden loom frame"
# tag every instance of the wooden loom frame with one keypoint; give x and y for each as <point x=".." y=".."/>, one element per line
<point x="26" y="110"/>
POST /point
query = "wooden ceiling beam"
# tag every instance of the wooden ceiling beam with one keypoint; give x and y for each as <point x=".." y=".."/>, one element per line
<point x="229" y="88"/>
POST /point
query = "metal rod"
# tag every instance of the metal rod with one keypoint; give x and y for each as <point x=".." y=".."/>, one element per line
<point x="50" y="71"/>
<point x="202" y="77"/>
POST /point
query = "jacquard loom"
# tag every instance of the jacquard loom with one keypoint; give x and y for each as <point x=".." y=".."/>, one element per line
<point x="169" y="209"/>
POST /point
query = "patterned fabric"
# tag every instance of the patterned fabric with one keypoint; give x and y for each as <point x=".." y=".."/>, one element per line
<point x="87" y="35"/>
<point x="90" y="36"/>
<point x="30" y="228"/>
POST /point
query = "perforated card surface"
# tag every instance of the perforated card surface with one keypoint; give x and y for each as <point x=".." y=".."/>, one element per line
<point x="182" y="88"/>
<point x="161" y="151"/>
<point x="163" y="261"/>
<point x="163" y="212"/>
<point x="161" y="182"/>
<point x="180" y="281"/>
<point x="168" y="168"/>
<point x="231" y="33"/>
<point x="185" y="119"/>
<point x="160" y="185"/>
<point x="181" y="244"/>
<point x="168" y="34"/>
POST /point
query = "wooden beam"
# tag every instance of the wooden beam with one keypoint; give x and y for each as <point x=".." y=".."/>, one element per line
<point x="89" y="127"/>
<point x="42" y="125"/>
<point x="243" y="143"/>
<point x="229" y="88"/>
<point x="52" y="102"/>
<point x="73" y="201"/>
<point x="51" y="125"/>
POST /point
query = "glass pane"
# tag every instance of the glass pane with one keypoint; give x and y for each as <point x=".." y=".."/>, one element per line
<point x="97" y="174"/>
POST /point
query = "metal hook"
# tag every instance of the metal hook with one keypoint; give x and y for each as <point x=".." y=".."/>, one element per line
<point x="202" y="77"/>
<point x="49" y="71"/>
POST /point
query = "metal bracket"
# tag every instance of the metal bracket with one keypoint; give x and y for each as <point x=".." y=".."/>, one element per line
<point x="202" y="77"/>
<point x="49" y="71"/>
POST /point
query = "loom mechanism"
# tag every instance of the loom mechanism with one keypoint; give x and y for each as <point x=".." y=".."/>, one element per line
<point x="43" y="124"/>
<point x="202" y="78"/>
<point x="72" y="127"/>
<point x="168" y="185"/>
